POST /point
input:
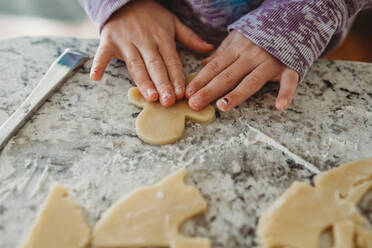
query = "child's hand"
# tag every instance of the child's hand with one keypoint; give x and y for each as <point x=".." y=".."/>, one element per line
<point x="143" y="34"/>
<point x="241" y="66"/>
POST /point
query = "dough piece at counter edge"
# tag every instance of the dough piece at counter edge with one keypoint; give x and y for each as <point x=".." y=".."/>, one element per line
<point x="160" y="125"/>
<point x="59" y="224"/>
<point x="152" y="216"/>
<point x="298" y="217"/>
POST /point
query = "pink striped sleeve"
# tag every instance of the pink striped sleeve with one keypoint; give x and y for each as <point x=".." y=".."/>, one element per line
<point x="100" y="11"/>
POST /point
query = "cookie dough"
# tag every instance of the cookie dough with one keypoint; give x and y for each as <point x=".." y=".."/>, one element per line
<point x="298" y="217"/>
<point x="151" y="217"/>
<point x="60" y="223"/>
<point x="160" y="125"/>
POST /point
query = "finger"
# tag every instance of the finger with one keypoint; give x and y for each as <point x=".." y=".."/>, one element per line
<point x="158" y="73"/>
<point x="276" y="78"/>
<point x="210" y="57"/>
<point x="288" y="86"/>
<point x="102" y="58"/>
<point x="248" y="86"/>
<point x="191" y="40"/>
<point x="211" y="70"/>
<point x="221" y="48"/>
<point x="137" y="70"/>
<point x="221" y="84"/>
<point x="174" y="66"/>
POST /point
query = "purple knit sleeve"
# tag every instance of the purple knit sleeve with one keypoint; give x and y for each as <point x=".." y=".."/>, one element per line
<point x="298" y="31"/>
<point x="100" y="10"/>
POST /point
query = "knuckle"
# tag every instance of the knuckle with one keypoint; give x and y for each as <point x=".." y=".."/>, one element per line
<point x="135" y="65"/>
<point x="163" y="85"/>
<point x="179" y="86"/>
<point x="236" y="97"/>
<point x="155" y="63"/>
<point x="254" y="79"/>
<point x="213" y="66"/>
<point x="241" y="48"/>
<point x="227" y="76"/>
<point x="144" y="39"/>
<point x="144" y="84"/>
<point x="165" y="88"/>
<point x="173" y="62"/>
<point x="141" y="31"/>
<point x="257" y="52"/>
<point x="147" y="44"/>
<point x="221" y="49"/>
<point x="163" y="34"/>
<point x="204" y="95"/>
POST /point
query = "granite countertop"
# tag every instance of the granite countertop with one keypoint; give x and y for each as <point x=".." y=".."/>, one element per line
<point x="84" y="137"/>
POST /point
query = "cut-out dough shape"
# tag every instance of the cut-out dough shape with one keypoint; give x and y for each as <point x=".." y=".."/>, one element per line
<point x="60" y="224"/>
<point x="152" y="216"/>
<point x="160" y="125"/>
<point x="299" y="216"/>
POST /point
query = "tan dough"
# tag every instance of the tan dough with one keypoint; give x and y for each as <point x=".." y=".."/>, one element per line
<point x="152" y="216"/>
<point x="160" y="125"/>
<point x="298" y="217"/>
<point x="60" y="224"/>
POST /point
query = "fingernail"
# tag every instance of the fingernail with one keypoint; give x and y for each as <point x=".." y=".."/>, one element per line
<point x="195" y="102"/>
<point x="178" y="90"/>
<point x="94" y="71"/>
<point x="190" y="91"/>
<point x="222" y="104"/>
<point x="282" y="104"/>
<point x="165" y="96"/>
<point x="225" y="101"/>
<point x="151" y="92"/>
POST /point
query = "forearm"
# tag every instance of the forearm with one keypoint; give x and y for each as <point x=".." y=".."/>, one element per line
<point x="298" y="32"/>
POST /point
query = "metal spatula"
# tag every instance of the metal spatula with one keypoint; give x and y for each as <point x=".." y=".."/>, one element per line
<point x="61" y="69"/>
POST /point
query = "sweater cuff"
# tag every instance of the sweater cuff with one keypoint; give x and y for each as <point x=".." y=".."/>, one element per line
<point x="100" y="11"/>
<point x="295" y="32"/>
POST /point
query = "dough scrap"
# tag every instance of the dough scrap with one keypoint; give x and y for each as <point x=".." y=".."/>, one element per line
<point x="60" y="223"/>
<point x="298" y="217"/>
<point x="160" y="125"/>
<point x="152" y="216"/>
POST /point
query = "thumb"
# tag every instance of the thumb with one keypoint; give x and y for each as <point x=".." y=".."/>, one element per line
<point x="188" y="38"/>
<point x="288" y="85"/>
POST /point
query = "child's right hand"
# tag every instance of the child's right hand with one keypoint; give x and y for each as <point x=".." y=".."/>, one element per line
<point x="143" y="34"/>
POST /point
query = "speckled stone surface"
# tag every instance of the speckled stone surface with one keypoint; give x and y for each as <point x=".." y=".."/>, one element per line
<point x="84" y="137"/>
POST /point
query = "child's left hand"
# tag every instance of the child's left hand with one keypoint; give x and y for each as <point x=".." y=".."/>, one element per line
<point x="244" y="68"/>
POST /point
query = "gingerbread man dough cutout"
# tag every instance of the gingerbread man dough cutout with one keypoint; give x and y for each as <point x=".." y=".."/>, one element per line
<point x="160" y="125"/>
<point x="298" y="217"/>
<point x="152" y="216"/>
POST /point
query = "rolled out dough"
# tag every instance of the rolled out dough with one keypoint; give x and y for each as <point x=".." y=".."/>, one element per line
<point x="298" y="217"/>
<point x="160" y="125"/>
<point x="151" y="217"/>
<point x="60" y="224"/>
